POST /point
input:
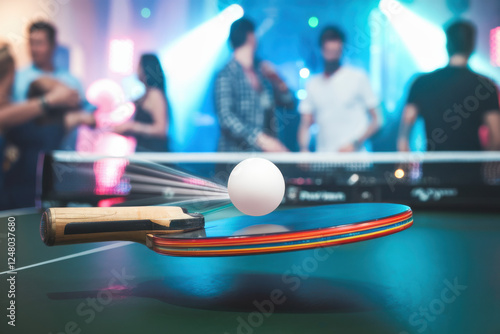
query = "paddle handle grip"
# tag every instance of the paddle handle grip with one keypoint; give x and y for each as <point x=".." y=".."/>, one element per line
<point x="60" y="226"/>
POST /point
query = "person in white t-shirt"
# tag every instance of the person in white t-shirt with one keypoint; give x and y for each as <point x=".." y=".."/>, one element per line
<point x="340" y="101"/>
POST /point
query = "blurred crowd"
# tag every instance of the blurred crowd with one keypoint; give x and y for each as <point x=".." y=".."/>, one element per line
<point x="42" y="105"/>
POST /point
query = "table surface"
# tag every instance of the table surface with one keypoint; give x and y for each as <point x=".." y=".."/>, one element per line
<point x="440" y="276"/>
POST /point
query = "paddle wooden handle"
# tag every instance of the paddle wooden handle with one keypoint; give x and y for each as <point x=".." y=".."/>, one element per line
<point x="60" y="226"/>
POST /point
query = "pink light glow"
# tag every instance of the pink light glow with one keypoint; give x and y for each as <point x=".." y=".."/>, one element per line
<point x="495" y="46"/>
<point x="104" y="142"/>
<point x="484" y="136"/>
<point x="112" y="110"/>
<point x="107" y="202"/>
<point x="121" y="113"/>
<point x="121" y="56"/>
<point x="197" y="182"/>
<point x="115" y="145"/>
<point x="105" y="88"/>
<point x="112" y="107"/>
<point x="108" y="174"/>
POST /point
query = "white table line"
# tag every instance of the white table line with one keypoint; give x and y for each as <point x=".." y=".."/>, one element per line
<point x="71" y="256"/>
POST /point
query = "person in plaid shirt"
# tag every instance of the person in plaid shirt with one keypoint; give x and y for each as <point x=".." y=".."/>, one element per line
<point x="246" y="94"/>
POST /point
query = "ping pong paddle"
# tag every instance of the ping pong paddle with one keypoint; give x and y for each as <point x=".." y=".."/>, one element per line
<point x="60" y="226"/>
<point x="279" y="231"/>
<point x="288" y="230"/>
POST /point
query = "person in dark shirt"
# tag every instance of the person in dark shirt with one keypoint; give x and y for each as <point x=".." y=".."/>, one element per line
<point x="454" y="101"/>
<point x="150" y="122"/>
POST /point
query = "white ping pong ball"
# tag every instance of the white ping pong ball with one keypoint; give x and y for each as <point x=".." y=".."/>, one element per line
<point x="256" y="186"/>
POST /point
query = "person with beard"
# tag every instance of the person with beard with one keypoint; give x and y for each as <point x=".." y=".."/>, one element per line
<point x="43" y="92"/>
<point x="48" y="131"/>
<point x="247" y="92"/>
<point x="340" y="101"/>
